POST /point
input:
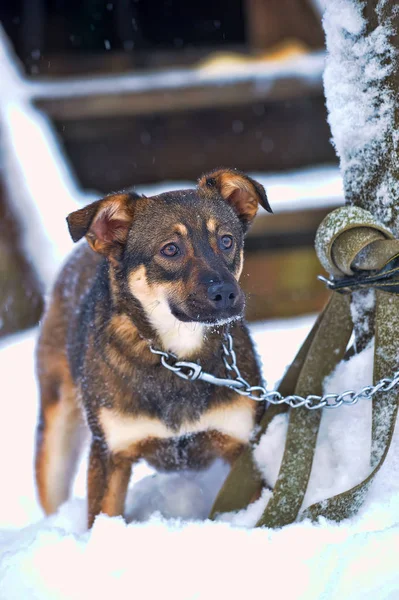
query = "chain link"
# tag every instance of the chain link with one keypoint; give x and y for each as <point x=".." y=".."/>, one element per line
<point x="193" y="371"/>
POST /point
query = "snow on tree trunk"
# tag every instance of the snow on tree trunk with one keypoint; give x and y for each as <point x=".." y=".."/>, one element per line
<point x="362" y="86"/>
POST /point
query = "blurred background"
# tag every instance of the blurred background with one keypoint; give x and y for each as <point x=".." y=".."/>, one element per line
<point x="96" y="96"/>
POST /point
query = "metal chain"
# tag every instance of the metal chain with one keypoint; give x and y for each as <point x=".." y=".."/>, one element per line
<point x="193" y="371"/>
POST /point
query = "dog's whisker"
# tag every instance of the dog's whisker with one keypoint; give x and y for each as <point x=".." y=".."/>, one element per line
<point x="156" y="306"/>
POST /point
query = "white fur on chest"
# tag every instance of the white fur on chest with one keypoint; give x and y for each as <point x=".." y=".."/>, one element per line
<point x="122" y="431"/>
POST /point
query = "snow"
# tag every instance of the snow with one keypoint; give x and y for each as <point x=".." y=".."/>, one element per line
<point x="167" y="550"/>
<point x="362" y="306"/>
<point x="38" y="180"/>
<point x="302" y="189"/>
<point x="341" y="460"/>
<point x="361" y="102"/>
<point x="195" y="561"/>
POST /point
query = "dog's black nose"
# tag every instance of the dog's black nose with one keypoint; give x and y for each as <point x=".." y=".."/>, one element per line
<point x="223" y="295"/>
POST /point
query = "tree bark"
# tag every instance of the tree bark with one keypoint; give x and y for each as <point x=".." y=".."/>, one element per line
<point x="21" y="302"/>
<point x="370" y="166"/>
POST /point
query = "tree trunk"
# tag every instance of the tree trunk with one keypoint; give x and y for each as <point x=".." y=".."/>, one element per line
<point x="362" y="92"/>
<point x="21" y="301"/>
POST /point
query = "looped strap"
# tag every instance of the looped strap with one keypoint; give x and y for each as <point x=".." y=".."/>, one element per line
<point x="358" y="251"/>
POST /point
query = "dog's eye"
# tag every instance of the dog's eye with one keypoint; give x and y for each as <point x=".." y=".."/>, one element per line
<point x="170" y="250"/>
<point x="226" y="242"/>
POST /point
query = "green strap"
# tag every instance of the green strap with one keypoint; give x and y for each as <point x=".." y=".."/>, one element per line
<point x="386" y="358"/>
<point x="327" y="348"/>
<point x="244" y="482"/>
<point x="364" y="229"/>
<point x="385" y="409"/>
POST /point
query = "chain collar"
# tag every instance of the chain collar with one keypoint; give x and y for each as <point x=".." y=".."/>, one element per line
<point x="192" y="371"/>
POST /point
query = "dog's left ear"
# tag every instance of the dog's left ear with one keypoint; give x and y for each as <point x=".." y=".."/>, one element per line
<point x="243" y="193"/>
<point x="105" y="223"/>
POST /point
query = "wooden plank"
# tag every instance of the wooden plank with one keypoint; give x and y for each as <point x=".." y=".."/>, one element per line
<point x="281" y="266"/>
<point x="283" y="284"/>
<point x="184" y="89"/>
<point x="111" y="153"/>
<point x="270" y="22"/>
<point x="73" y="64"/>
<point x="290" y="223"/>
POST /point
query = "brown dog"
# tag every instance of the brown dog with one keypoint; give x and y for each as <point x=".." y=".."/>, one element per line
<point x="163" y="271"/>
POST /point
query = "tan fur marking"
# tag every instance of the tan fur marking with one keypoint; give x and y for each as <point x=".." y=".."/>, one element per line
<point x="227" y="447"/>
<point x="63" y="434"/>
<point x="184" y="339"/>
<point x="121" y="430"/>
<point x="238" y="272"/>
<point x="182" y="229"/>
<point x="211" y="225"/>
<point x="123" y="327"/>
<point x="230" y="183"/>
<point x="111" y="224"/>
<point x="115" y="208"/>
<point x="113" y="503"/>
<point x="118" y="361"/>
<point x="244" y="190"/>
<point x="113" y="285"/>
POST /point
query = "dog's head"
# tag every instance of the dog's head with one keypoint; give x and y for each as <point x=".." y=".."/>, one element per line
<point x="178" y="253"/>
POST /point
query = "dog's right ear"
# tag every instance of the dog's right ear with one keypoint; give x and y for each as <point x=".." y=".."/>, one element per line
<point x="105" y="223"/>
<point x="243" y="193"/>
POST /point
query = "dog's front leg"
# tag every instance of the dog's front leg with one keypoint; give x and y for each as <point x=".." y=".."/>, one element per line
<point x="108" y="479"/>
<point x="96" y="479"/>
<point x="118" y="475"/>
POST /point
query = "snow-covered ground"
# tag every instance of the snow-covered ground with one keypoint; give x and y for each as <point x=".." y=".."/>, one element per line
<point x="168" y="550"/>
